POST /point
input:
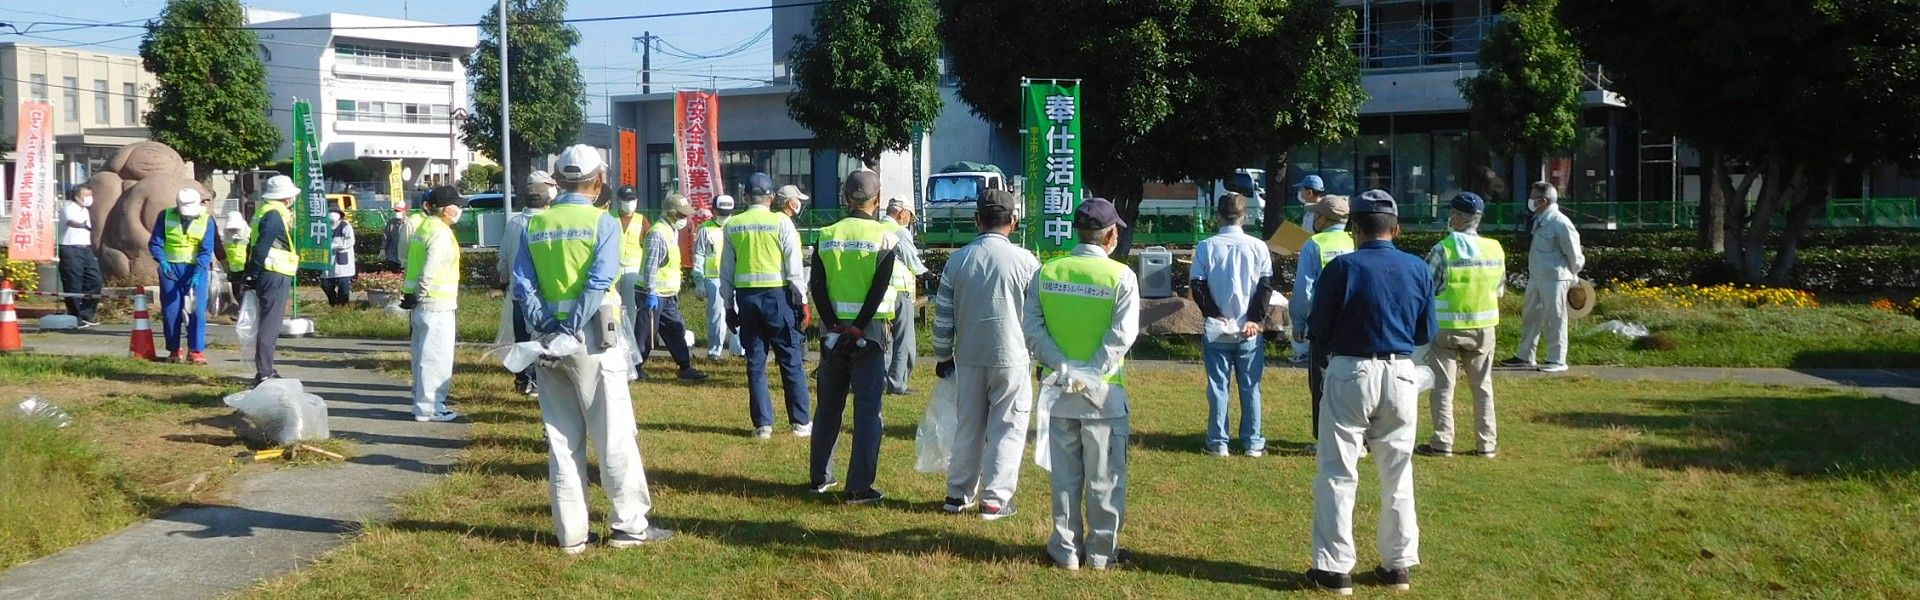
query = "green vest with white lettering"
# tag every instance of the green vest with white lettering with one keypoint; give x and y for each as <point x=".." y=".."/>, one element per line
<point x="850" y="252"/>
<point x="716" y="243"/>
<point x="669" y="273"/>
<point x="1077" y="296"/>
<point x="1332" y="244"/>
<point x="279" y="260"/>
<point x="182" y="245"/>
<point x="560" y="243"/>
<point x="757" y="260"/>
<point x="446" y="275"/>
<point x="1471" y="299"/>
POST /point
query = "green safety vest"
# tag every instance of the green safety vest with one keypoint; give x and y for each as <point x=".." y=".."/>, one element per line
<point x="279" y="260"/>
<point x="850" y="253"/>
<point x="1077" y="295"/>
<point x="560" y="243"/>
<point x="669" y="273"/>
<point x="757" y="260"/>
<point x="237" y="256"/>
<point x="633" y="245"/>
<point x="446" y="275"/>
<point x="1472" y="297"/>
<point x="716" y="238"/>
<point x="1332" y="243"/>
<point x="902" y="276"/>
<point x="181" y="246"/>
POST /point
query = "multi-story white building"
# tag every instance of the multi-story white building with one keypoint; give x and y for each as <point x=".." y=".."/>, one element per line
<point x="379" y="93"/>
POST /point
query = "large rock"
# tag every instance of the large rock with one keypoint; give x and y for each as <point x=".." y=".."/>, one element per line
<point x="140" y="181"/>
<point x="1180" y="316"/>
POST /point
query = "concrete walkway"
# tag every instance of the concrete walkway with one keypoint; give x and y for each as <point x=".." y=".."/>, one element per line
<point x="279" y="520"/>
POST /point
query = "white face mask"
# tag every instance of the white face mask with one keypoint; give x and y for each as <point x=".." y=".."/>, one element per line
<point x="86" y="201"/>
<point x="629" y="206"/>
<point x="333" y="218"/>
<point x="192" y="210"/>
<point x="1302" y="195"/>
<point x="455" y="214"/>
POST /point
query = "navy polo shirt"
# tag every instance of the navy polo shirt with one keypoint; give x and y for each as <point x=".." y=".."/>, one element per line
<point x="1375" y="300"/>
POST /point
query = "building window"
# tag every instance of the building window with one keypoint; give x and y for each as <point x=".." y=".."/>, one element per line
<point x="344" y="110"/>
<point x="39" y="87"/>
<point x="391" y="112"/>
<point x="70" y="97"/>
<point x="130" y="101"/>
<point x="394" y="58"/>
<point x="102" y="106"/>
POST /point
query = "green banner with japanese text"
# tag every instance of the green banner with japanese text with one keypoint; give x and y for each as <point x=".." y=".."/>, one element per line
<point x="1051" y="149"/>
<point x="312" y="237"/>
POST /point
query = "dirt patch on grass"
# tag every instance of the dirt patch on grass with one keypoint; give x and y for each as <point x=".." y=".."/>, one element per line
<point x="175" y="442"/>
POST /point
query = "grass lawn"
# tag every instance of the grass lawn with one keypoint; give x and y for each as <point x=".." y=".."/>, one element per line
<point x="1615" y="490"/>
<point x="478" y="319"/>
<point x="144" y="437"/>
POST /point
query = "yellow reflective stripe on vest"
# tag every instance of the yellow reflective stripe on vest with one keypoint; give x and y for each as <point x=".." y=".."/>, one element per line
<point x="560" y="244"/>
<point x="850" y="251"/>
<point x="182" y="244"/>
<point x="758" y="261"/>
<point x="279" y="259"/>
<point x="1077" y="296"/>
<point x="1476" y="267"/>
<point x="1332" y="244"/>
<point x="666" y="281"/>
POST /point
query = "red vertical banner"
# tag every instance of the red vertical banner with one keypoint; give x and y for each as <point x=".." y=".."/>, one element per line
<point x="629" y="159"/>
<point x="34" y="202"/>
<point x="696" y="145"/>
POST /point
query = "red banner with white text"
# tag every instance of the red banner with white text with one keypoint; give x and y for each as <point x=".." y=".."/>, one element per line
<point x="696" y="146"/>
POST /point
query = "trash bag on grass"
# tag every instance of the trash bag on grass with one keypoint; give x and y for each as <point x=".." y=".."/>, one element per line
<point x="1622" y="329"/>
<point x="934" y="442"/>
<point x="281" y="412"/>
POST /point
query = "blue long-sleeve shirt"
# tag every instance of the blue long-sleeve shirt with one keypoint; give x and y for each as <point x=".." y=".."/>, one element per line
<point x="157" y="243"/>
<point x="1305" y="272"/>
<point x="601" y="273"/>
<point x="1376" y="300"/>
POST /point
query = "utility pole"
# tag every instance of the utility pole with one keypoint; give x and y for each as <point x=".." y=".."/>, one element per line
<point x="646" y="61"/>
<point x="506" y="120"/>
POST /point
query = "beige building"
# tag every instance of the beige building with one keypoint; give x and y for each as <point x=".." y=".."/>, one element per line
<point x="91" y="91"/>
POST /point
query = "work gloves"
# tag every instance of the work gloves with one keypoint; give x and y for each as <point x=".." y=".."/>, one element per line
<point x="943" y="369"/>
<point x="409" y="301"/>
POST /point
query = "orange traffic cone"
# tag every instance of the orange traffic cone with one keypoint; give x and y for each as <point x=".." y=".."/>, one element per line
<point x="141" y="346"/>
<point x="9" y="322"/>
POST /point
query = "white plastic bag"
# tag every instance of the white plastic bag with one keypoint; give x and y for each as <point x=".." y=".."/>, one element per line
<point x="1042" y="421"/>
<point x="247" y="326"/>
<point x="934" y="442"/>
<point x="281" y="412"/>
<point x="1622" y="329"/>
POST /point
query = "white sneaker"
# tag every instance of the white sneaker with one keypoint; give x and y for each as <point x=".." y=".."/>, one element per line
<point x="575" y="550"/>
<point x="713" y="356"/>
<point x="763" y="432"/>
<point x="1256" y="453"/>
<point x="1553" y="368"/>
<point x="443" y="417"/>
<point x="803" y="430"/>
<point x="1221" y="451"/>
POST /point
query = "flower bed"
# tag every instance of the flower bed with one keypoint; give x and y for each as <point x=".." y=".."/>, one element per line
<point x="1712" y="296"/>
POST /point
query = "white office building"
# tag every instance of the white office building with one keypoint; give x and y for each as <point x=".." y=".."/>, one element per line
<point x="378" y="94"/>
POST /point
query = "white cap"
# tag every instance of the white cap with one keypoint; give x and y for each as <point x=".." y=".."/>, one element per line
<point x="578" y="162"/>
<point x="791" y="192"/>
<point x="187" y="197"/>
<point x="724" y="202"/>
<point x="540" y="177"/>
<point x="280" y="187"/>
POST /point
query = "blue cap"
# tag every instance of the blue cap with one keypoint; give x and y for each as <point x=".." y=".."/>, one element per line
<point x="1096" y="213"/>
<point x="1377" y="202"/>
<point x="759" y="184"/>
<point x="1470" y="203"/>
<point x="1312" y="182"/>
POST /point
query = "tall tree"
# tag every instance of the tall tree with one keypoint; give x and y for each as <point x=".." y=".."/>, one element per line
<point x="1786" y="91"/>
<point x="1526" y="98"/>
<point x="1171" y="89"/>
<point x="547" y="93"/>
<point x="870" y="77"/>
<point x="211" y="100"/>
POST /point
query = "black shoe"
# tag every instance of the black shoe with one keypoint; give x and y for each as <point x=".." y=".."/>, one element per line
<point x="692" y="374"/>
<point x="1429" y="450"/>
<point x="1399" y="579"/>
<point x="639" y="374"/>
<point x="870" y="496"/>
<point x="653" y="535"/>
<point x="955" y="505"/>
<point x="1516" y="363"/>
<point x="1339" y="583"/>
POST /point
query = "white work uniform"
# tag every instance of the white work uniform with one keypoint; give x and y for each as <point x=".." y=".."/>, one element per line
<point x="1553" y="265"/>
<point x="904" y="351"/>
<point x="433" y="329"/>
<point x="985" y="286"/>
<point x="1372" y="402"/>
<point x="708" y="244"/>
<point x="586" y="396"/>
<point x="1087" y="444"/>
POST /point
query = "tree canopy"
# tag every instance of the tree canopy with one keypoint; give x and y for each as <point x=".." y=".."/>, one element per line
<point x="211" y="101"/>
<point x="1526" y="98"/>
<point x="547" y="93"/>
<point x="870" y="77"/>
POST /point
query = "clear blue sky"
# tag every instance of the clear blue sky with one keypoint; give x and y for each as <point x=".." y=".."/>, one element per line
<point x="609" y="61"/>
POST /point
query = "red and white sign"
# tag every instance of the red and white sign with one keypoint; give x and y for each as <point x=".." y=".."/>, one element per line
<point x="697" y="146"/>
<point x="33" y="194"/>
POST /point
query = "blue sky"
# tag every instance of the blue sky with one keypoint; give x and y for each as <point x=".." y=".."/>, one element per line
<point x="609" y="61"/>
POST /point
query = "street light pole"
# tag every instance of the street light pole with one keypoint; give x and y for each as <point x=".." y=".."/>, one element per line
<point x="506" y="120"/>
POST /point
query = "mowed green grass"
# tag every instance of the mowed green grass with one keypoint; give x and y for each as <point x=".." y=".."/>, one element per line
<point x="478" y="319"/>
<point x="1603" y="489"/>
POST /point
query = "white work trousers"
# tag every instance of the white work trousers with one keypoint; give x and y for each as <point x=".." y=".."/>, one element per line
<point x="1544" y="321"/>
<point x="583" y="397"/>
<point x="1473" y="350"/>
<point x="720" y="335"/>
<point x="432" y="360"/>
<point x="990" y="440"/>
<point x="1372" y="402"/>
<point x="1089" y="474"/>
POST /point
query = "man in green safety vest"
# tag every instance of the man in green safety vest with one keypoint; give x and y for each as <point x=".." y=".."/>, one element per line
<point x="1330" y="241"/>
<point x="182" y="243"/>
<point x="1081" y="317"/>
<point x="765" y="289"/>
<point x="633" y="259"/>
<point x="708" y="245"/>
<point x="1469" y="272"/>
<point x="568" y="259"/>
<point x="853" y="267"/>
<point x="905" y="351"/>
<point x="660" y="290"/>
<point x="432" y="289"/>
<point x="270" y="267"/>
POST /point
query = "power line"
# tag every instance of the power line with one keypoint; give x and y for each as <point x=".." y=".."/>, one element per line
<point x="688" y="13"/>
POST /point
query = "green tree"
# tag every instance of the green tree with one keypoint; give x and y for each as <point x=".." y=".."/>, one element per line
<point x="477" y="178"/>
<point x="211" y="100"/>
<point x="1783" y="93"/>
<point x="1191" y="88"/>
<point x="870" y="79"/>
<point x="547" y="93"/>
<point x="1526" y="98"/>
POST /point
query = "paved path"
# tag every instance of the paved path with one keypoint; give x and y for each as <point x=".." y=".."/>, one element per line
<point x="279" y="520"/>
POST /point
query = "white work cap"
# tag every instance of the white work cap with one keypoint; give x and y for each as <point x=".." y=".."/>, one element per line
<point x="280" y="187"/>
<point x="578" y="162"/>
<point x="540" y="177"/>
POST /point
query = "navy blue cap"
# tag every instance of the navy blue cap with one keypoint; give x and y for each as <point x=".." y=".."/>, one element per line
<point x="1470" y="203"/>
<point x="1096" y="213"/>
<point x="759" y="184"/>
<point x="1375" y="202"/>
<point x="1312" y="182"/>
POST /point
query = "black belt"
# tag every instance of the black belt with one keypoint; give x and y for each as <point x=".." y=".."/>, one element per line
<point x="1381" y="356"/>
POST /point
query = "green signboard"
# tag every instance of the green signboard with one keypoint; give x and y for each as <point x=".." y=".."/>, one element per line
<point x="1051" y="149"/>
<point x="312" y="237"/>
